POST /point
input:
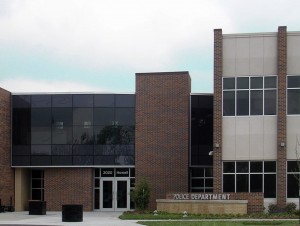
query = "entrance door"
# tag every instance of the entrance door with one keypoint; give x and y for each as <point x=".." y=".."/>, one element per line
<point x="115" y="194"/>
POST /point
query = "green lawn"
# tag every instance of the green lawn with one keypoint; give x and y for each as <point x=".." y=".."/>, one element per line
<point x="217" y="223"/>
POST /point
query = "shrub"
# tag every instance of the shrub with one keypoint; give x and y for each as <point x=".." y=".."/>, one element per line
<point x="141" y="195"/>
<point x="274" y="208"/>
<point x="290" y="207"/>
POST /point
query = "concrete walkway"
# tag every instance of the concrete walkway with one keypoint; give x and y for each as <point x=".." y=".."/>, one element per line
<point x="55" y="218"/>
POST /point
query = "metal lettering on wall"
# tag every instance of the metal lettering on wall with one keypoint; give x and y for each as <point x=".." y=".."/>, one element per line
<point x="201" y="196"/>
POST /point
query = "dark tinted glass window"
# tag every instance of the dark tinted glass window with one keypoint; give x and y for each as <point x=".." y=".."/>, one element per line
<point x="270" y="167"/>
<point x="21" y="160"/>
<point x="21" y="130"/>
<point x="242" y="183"/>
<point x="229" y="167"/>
<point x="125" y="100"/>
<point x="82" y="135"/>
<point x="83" y="116"/>
<point x="83" y="149"/>
<point x="198" y="183"/>
<point x="62" y="135"/>
<point x="104" y="100"/>
<point x="83" y="160"/>
<point x="197" y="172"/>
<point x="242" y="83"/>
<point x="21" y="150"/>
<point x="256" y="102"/>
<point x="61" y="150"/>
<point x="127" y="150"/>
<point x="105" y="135"/>
<point x="256" y="167"/>
<point x="83" y="100"/>
<point x="256" y="82"/>
<point x="41" y="101"/>
<point x="125" y="116"/>
<point x="270" y="82"/>
<point x="229" y="83"/>
<point x="293" y="166"/>
<point x="21" y="101"/>
<point x="41" y="149"/>
<point x="270" y="186"/>
<point x="104" y="150"/>
<point x="256" y="181"/>
<point x="242" y="103"/>
<point x="41" y="117"/>
<point x="270" y="102"/>
<point x="209" y="172"/>
<point x="228" y="183"/>
<point x="62" y="117"/>
<point x="104" y="160"/>
<point x="40" y="160"/>
<point x="293" y="81"/>
<point x="62" y="160"/>
<point x="104" y="116"/>
<point x="62" y="100"/>
<point x="294" y="101"/>
<point x="125" y="135"/>
<point x="124" y="160"/>
<point x="228" y="103"/>
<point x="41" y="135"/>
<point x="292" y="186"/>
<point x="242" y="167"/>
<point x="37" y="174"/>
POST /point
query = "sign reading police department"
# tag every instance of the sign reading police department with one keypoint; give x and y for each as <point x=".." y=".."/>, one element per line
<point x="202" y="196"/>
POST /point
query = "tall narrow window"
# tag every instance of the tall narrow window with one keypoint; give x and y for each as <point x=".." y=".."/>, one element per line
<point x="37" y="185"/>
<point x="293" y="91"/>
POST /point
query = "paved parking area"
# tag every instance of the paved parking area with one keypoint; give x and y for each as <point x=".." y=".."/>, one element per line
<point x="55" y="218"/>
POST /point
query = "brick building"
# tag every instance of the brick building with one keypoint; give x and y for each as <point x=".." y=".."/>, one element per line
<point x="92" y="149"/>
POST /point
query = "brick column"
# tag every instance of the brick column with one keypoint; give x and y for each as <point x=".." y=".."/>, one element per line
<point x="162" y="132"/>
<point x="217" y="108"/>
<point x="7" y="176"/>
<point x="281" y="116"/>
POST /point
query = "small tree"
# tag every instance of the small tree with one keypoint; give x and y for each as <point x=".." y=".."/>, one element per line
<point x="141" y="194"/>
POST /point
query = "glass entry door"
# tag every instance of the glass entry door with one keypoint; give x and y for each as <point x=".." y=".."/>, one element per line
<point x="115" y="194"/>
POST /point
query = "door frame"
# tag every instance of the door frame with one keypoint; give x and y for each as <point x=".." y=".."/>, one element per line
<point x="114" y="181"/>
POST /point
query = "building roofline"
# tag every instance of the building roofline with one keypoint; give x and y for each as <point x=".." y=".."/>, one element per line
<point x="71" y="93"/>
<point x="162" y="73"/>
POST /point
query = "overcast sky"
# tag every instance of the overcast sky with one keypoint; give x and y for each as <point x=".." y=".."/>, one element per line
<point x="99" y="45"/>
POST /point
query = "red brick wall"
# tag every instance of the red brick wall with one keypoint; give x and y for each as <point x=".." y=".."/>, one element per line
<point x="7" y="177"/>
<point x="68" y="186"/>
<point x="162" y="131"/>
<point x="217" y="108"/>
<point x="255" y="200"/>
<point x="281" y="116"/>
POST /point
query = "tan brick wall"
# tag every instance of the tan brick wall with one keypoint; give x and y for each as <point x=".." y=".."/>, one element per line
<point x="202" y="207"/>
<point x="217" y="109"/>
<point x="255" y="199"/>
<point x="68" y="186"/>
<point x="162" y="131"/>
<point x="7" y="185"/>
<point x="281" y="116"/>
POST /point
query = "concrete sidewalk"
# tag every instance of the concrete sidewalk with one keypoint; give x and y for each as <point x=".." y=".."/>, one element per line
<point x="55" y="218"/>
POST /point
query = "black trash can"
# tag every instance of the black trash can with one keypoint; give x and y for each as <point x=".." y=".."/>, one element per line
<point x="37" y="207"/>
<point x="72" y="213"/>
